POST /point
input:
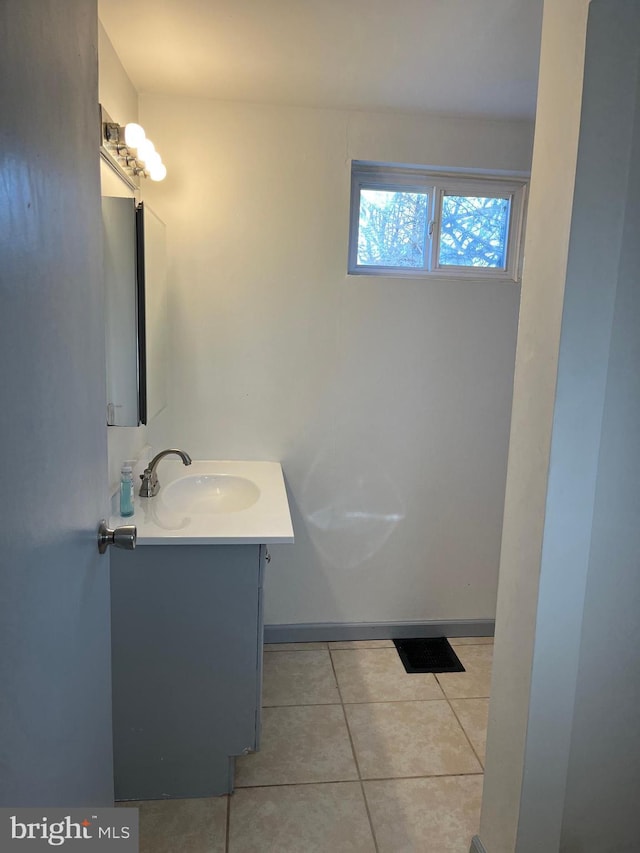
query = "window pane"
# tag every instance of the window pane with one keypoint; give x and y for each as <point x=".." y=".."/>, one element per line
<point x="474" y="231"/>
<point x="392" y="228"/>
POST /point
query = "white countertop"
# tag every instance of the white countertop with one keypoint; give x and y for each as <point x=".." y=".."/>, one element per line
<point x="163" y="522"/>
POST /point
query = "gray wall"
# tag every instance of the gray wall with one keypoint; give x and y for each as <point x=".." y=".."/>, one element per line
<point x="576" y="465"/>
<point x="55" y="698"/>
<point x="546" y="255"/>
<point x="576" y="706"/>
<point x="603" y="780"/>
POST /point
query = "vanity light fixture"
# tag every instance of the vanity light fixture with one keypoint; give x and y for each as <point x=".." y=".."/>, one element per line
<point x="128" y="151"/>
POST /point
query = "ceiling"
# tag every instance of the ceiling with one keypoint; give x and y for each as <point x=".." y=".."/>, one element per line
<point x="469" y="57"/>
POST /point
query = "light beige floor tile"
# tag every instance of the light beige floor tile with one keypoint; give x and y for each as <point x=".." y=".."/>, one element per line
<point x="409" y="739"/>
<point x="476" y="681"/>
<point x="294" y="647"/>
<point x="191" y="826"/>
<point x="363" y="644"/>
<point x="299" y="678"/>
<point x="299" y="744"/>
<point x="378" y="675"/>
<point x="471" y="641"/>
<point x="425" y="815"/>
<point x="473" y="715"/>
<point x="300" y="819"/>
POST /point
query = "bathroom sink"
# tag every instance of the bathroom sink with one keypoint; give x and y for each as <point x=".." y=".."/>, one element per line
<point x="213" y="502"/>
<point x="210" y="493"/>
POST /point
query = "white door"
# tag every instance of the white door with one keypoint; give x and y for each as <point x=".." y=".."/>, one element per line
<point x="55" y="693"/>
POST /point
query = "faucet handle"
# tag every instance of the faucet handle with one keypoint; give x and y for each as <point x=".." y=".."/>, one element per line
<point x="150" y="485"/>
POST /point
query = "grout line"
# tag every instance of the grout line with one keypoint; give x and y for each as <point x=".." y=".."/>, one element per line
<point x="370" y="702"/>
<point x="442" y="698"/>
<point x="293" y="651"/>
<point x="355" y="757"/>
<point x="422" y="776"/>
<point x="473" y="749"/>
<point x="397" y="701"/>
<point x="346" y="722"/>
<point x="298" y="784"/>
<point x="330" y="704"/>
<point x="450" y="698"/>
<point x="357" y="781"/>
<point x="344" y="648"/>
<point x="474" y="696"/>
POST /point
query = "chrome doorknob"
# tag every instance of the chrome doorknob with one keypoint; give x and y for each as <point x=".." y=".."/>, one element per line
<point x="122" y="537"/>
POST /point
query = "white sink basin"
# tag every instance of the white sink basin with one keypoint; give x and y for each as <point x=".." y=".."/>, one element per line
<point x="210" y="493"/>
<point x="213" y="502"/>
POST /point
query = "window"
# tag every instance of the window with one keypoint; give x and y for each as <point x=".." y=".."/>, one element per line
<point x="408" y="221"/>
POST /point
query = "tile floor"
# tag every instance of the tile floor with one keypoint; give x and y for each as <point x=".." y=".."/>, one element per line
<point x="357" y="757"/>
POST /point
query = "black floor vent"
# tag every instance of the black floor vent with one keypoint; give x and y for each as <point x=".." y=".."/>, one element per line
<point x="428" y="655"/>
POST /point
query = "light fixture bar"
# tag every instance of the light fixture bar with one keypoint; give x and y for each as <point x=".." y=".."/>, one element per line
<point x="129" y="153"/>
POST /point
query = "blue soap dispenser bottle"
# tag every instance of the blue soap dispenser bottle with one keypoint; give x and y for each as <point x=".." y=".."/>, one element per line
<point x="126" y="491"/>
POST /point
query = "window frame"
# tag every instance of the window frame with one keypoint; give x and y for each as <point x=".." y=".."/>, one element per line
<point x="436" y="184"/>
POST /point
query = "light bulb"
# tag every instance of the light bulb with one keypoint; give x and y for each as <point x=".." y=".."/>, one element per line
<point x="133" y="135"/>
<point x="158" y="172"/>
<point x="152" y="161"/>
<point x="146" y="149"/>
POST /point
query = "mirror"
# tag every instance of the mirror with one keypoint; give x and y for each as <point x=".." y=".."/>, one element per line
<point x="134" y="243"/>
<point x="156" y="310"/>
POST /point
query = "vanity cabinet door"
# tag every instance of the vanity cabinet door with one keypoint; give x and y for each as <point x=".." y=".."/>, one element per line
<point x="187" y="667"/>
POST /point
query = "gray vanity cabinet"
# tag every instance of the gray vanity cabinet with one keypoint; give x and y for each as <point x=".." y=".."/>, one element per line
<point x="187" y="628"/>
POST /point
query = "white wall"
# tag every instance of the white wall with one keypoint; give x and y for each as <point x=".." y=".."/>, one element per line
<point x="386" y="400"/>
<point x="120" y="99"/>
<point x="116" y="91"/>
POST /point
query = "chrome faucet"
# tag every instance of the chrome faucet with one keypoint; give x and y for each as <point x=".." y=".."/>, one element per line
<point x="150" y="485"/>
